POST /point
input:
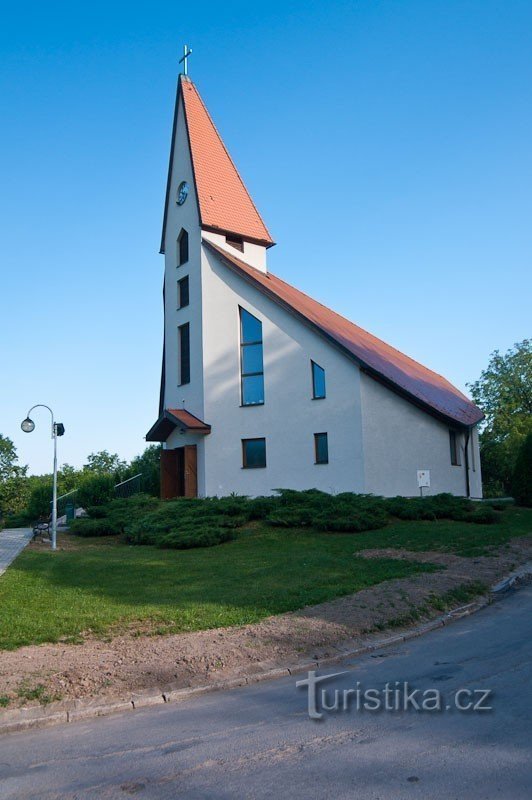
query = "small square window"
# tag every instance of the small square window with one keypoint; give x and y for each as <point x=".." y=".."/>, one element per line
<point x="253" y="453"/>
<point x="182" y="292"/>
<point x="318" y="381"/>
<point x="235" y="241"/>
<point x="321" y="448"/>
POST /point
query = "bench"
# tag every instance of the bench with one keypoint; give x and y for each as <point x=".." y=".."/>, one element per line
<point x="42" y="528"/>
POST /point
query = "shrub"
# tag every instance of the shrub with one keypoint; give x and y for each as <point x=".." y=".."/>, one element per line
<point x="260" y="507"/>
<point x="354" y="523"/>
<point x="287" y="517"/>
<point x="438" y="506"/>
<point x="95" y="490"/>
<point x="187" y="538"/>
<point x="347" y="511"/>
<point x="93" y="527"/>
<point x="39" y="504"/>
<point x="522" y="475"/>
<point x="21" y="520"/>
<point x="483" y="515"/>
<point x="187" y="523"/>
<point x="499" y="505"/>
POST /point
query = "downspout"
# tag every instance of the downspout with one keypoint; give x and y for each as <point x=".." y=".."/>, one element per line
<point x="466" y="462"/>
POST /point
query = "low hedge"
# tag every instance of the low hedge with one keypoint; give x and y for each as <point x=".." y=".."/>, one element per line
<point x="185" y="523"/>
<point x="93" y="527"/>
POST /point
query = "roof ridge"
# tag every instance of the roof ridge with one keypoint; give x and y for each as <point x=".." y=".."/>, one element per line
<point x="365" y="331"/>
<point x="380" y="359"/>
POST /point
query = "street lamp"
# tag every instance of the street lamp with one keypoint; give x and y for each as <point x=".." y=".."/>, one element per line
<point x="58" y="429"/>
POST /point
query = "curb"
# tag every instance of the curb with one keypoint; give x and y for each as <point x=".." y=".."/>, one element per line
<point x="24" y="719"/>
<point x="521" y="574"/>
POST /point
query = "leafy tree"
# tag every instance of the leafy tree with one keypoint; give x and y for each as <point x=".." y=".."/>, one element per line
<point x="95" y="490"/>
<point x="522" y="477"/>
<point x="39" y="503"/>
<point x="105" y="463"/>
<point x="149" y="464"/>
<point x="8" y="457"/>
<point x="504" y="393"/>
<point x="14" y="492"/>
<point x="68" y="478"/>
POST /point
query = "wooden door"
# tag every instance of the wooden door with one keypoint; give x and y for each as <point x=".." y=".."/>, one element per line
<point x="169" y="475"/>
<point x="191" y="470"/>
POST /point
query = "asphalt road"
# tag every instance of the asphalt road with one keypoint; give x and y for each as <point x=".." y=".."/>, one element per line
<point x="258" y="741"/>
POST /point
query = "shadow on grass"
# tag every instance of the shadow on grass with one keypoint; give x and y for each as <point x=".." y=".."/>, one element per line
<point x="46" y="596"/>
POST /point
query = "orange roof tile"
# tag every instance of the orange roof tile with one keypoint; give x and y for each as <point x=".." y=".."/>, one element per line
<point x="379" y="359"/>
<point x="172" y="418"/>
<point x="224" y="202"/>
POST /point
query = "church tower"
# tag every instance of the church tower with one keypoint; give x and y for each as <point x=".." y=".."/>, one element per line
<point x="206" y="201"/>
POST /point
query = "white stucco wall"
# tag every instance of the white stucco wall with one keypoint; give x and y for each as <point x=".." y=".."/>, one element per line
<point x="252" y="254"/>
<point x="400" y="439"/>
<point x="289" y="417"/>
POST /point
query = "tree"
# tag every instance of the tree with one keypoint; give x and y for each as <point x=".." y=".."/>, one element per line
<point x="95" y="489"/>
<point x="522" y="477"/>
<point x="504" y="393"/>
<point x="14" y="491"/>
<point x="105" y="463"/>
<point x="149" y="464"/>
<point x="68" y="478"/>
<point x="8" y="457"/>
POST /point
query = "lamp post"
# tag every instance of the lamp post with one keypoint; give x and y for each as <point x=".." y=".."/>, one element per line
<point x="58" y="429"/>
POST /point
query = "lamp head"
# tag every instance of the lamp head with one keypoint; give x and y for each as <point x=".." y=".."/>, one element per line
<point x="27" y="425"/>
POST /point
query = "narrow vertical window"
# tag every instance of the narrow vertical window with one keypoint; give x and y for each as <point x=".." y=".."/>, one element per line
<point x="182" y="248"/>
<point x="318" y="381"/>
<point x="253" y="453"/>
<point x="184" y="354"/>
<point x="182" y="293"/>
<point x="321" y="448"/>
<point x="251" y="362"/>
<point x="455" y="452"/>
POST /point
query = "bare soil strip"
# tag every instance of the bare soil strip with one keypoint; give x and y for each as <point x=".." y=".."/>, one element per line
<point x="134" y="663"/>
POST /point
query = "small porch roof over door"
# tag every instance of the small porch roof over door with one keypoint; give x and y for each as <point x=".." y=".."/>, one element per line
<point x="173" y="418"/>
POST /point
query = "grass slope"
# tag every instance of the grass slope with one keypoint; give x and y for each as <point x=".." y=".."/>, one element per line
<point x="104" y="587"/>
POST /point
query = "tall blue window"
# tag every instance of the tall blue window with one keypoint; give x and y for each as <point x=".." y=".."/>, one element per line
<point x="251" y="363"/>
<point x="318" y="381"/>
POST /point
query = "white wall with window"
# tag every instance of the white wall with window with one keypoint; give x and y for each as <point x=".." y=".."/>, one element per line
<point x="273" y="349"/>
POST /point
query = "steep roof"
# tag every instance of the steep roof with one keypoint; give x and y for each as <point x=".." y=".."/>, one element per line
<point x="225" y="204"/>
<point x="378" y="359"/>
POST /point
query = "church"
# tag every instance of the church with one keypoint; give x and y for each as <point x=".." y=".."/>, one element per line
<point x="263" y="387"/>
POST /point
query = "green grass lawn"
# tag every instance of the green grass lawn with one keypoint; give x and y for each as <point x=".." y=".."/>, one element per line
<point x="104" y="587"/>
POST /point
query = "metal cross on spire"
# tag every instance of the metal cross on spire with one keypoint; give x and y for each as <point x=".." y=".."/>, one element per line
<point x="186" y="53"/>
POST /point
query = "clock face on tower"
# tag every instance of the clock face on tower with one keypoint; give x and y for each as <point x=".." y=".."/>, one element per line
<point x="182" y="193"/>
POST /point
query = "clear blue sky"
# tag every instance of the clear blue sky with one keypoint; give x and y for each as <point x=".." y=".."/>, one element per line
<point x="387" y="145"/>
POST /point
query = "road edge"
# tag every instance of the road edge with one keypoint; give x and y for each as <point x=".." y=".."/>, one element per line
<point x="24" y="719"/>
